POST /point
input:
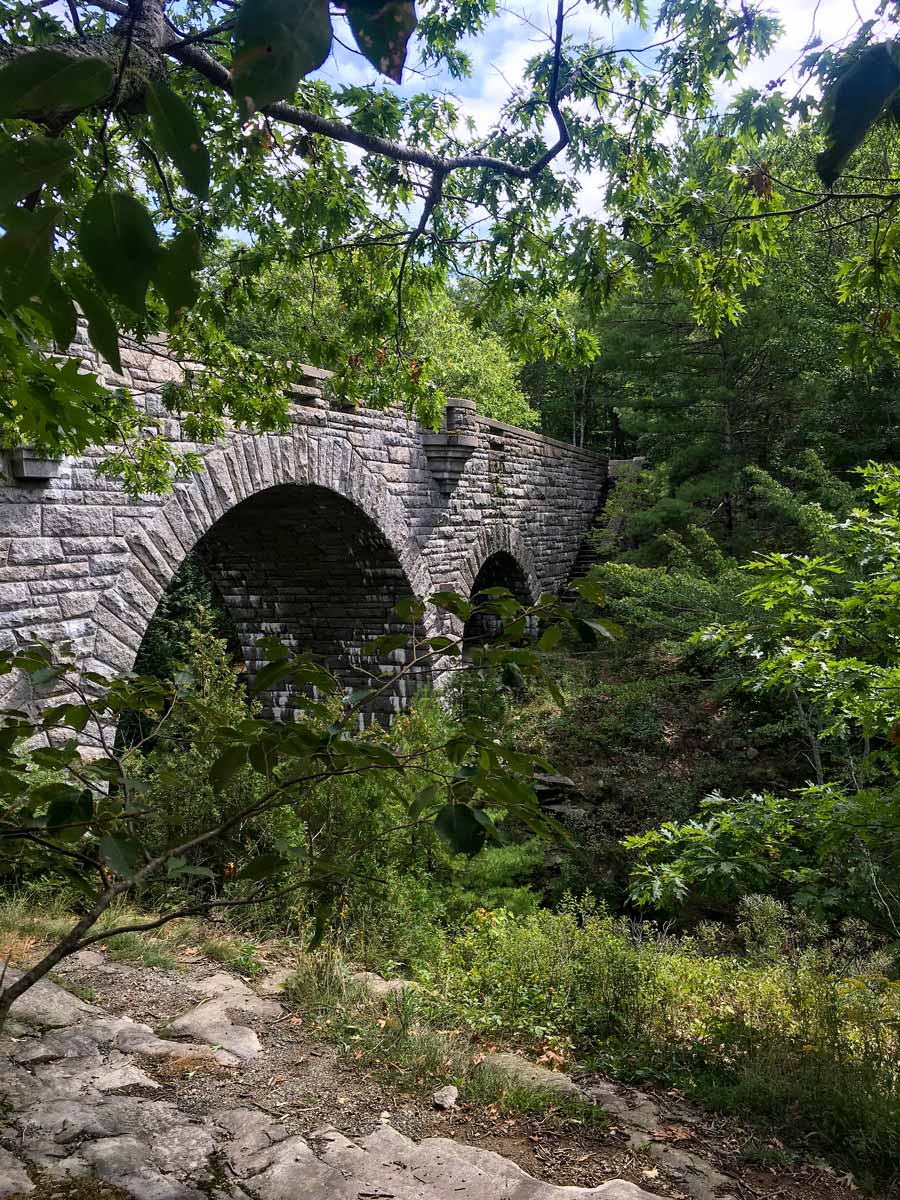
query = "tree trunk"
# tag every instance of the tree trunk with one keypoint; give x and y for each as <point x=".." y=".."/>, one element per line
<point x="135" y="49"/>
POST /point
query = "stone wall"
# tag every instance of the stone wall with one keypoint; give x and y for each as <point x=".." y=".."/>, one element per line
<point x="312" y="534"/>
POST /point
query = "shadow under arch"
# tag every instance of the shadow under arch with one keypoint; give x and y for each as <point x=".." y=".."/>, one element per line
<point x="311" y="548"/>
<point x="500" y="568"/>
<point x="300" y="563"/>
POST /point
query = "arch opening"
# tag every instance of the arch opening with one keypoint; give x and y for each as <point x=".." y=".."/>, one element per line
<point x="499" y="569"/>
<point x="301" y="563"/>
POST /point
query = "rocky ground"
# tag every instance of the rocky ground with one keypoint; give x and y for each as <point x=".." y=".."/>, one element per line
<point x="185" y="1084"/>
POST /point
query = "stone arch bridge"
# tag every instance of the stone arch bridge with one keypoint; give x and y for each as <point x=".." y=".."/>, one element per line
<point x="312" y="535"/>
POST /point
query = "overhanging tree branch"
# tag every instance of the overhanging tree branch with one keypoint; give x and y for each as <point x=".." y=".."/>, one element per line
<point x="189" y="54"/>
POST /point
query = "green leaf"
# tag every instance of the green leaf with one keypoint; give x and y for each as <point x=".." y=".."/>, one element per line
<point x="72" y="809"/>
<point x="263" y="867"/>
<point x="589" y="589"/>
<point x="272" y="673"/>
<point x="178" y="134"/>
<point x="512" y="677"/>
<point x="46" y="81"/>
<point x="427" y="798"/>
<point x="25" y="253"/>
<point x="588" y="628"/>
<point x="452" y="602"/>
<point x="549" y="637"/>
<point x="276" y="44"/>
<point x="387" y="643"/>
<point x="28" y="163"/>
<point x="47" y="674"/>
<point x="459" y="828"/>
<point x="509" y="791"/>
<point x="227" y="765"/>
<point x="174" y="274"/>
<point x="122" y="855"/>
<point x="56" y="307"/>
<point x="409" y="610"/>
<point x="101" y="327"/>
<point x="382" y="31"/>
<point x="120" y="245"/>
<point x="262" y="757"/>
<point x="490" y="828"/>
<point x="854" y="103"/>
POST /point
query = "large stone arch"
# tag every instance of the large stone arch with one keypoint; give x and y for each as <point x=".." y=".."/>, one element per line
<point x="244" y="492"/>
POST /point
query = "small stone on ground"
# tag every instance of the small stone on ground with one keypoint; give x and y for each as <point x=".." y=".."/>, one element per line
<point x="445" y="1097"/>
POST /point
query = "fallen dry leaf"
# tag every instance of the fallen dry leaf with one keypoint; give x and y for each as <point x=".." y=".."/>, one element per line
<point x="672" y="1133"/>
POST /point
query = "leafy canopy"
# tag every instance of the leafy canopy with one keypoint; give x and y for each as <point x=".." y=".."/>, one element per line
<point x="137" y="140"/>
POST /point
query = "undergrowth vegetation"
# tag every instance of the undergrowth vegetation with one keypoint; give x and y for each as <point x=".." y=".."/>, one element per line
<point x="801" y="1033"/>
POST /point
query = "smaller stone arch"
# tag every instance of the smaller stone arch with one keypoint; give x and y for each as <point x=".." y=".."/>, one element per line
<point x="507" y="543"/>
<point x="501" y="559"/>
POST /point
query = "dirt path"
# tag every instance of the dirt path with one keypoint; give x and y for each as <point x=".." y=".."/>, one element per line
<point x="240" y="1050"/>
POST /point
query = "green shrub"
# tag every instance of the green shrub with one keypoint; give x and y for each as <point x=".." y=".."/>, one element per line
<point x="180" y="798"/>
<point x="785" y="1038"/>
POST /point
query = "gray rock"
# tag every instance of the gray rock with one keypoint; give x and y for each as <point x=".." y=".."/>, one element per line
<point x="272" y="983"/>
<point x="553" y="783"/>
<point x="87" y="960"/>
<point x="54" y="1166"/>
<point x="630" y="1108"/>
<point x="210" y="1023"/>
<point x="48" y="1006"/>
<point x="14" y="1180"/>
<point x="449" y="1170"/>
<point x="639" y="1115"/>
<point x="252" y="1134"/>
<point x="378" y="987"/>
<point x="445" y="1097"/>
<point x="125" y="1162"/>
<point x="699" y="1178"/>
<point x="59" y="1043"/>
<point x="292" y="1171"/>
<point x="238" y="997"/>
<point x="79" y="1076"/>
<point x="141" y="1040"/>
<point x="519" y="1071"/>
